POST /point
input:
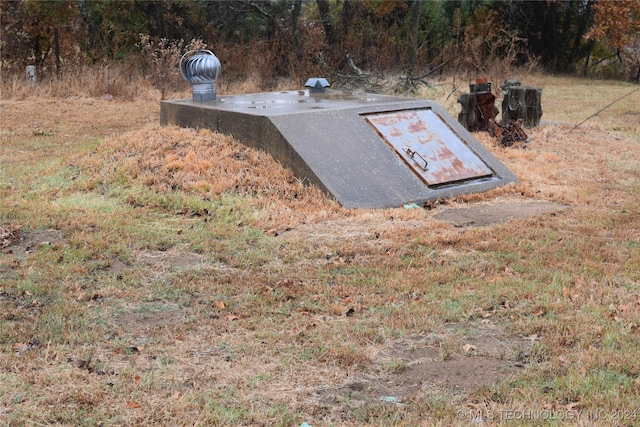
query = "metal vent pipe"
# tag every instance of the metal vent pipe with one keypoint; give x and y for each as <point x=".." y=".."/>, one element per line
<point x="201" y="70"/>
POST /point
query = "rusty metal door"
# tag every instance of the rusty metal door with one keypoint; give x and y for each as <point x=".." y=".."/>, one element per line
<point x="432" y="150"/>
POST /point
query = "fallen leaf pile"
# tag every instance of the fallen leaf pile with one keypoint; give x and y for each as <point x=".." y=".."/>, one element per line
<point x="9" y="234"/>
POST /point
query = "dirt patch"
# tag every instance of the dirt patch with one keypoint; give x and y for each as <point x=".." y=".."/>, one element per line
<point x="116" y="266"/>
<point x="19" y="308"/>
<point x="169" y="259"/>
<point x="30" y="242"/>
<point x="145" y="317"/>
<point x="488" y="214"/>
<point x="456" y="361"/>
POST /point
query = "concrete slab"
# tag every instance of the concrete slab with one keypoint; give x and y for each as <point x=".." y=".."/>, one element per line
<point x="488" y="214"/>
<point x="327" y="141"/>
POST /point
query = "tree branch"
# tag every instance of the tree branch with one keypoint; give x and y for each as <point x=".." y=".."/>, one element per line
<point x="355" y="68"/>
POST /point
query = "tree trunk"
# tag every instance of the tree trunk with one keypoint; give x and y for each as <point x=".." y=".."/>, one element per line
<point x="295" y="15"/>
<point x="415" y="14"/>
<point x="158" y="9"/>
<point x="349" y="10"/>
<point x="586" y="66"/>
<point x="327" y="24"/>
<point x="93" y="33"/>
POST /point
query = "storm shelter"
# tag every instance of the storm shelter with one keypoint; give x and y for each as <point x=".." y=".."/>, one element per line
<point x="365" y="150"/>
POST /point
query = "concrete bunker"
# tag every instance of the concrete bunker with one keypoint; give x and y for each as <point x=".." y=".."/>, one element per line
<point x="365" y="150"/>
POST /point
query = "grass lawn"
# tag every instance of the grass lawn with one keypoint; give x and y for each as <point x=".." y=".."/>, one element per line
<point x="167" y="276"/>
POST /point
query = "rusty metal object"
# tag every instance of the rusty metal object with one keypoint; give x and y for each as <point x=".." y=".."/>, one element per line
<point x="428" y="146"/>
<point x="508" y="134"/>
<point x="486" y="101"/>
<point x="521" y="107"/>
<point x="478" y="106"/>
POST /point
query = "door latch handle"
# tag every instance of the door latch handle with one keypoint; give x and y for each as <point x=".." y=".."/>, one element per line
<point x="413" y="155"/>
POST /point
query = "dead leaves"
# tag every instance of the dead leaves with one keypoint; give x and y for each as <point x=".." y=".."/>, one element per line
<point x="291" y="289"/>
<point x="627" y="313"/>
<point x="501" y="309"/>
<point x="80" y="293"/>
<point x="43" y="132"/>
<point x="220" y="305"/>
<point x="339" y="258"/>
<point x="23" y="307"/>
<point x="9" y="234"/>
<point x="342" y="310"/>
<point x="469" y="348"/>
<point x="21" y="348"/>
<point x="289" y="297"/>
<point x="345" y="307"/>
<point x="89" y="364"/>
<point x="568" y="295"/>
<point x="275" y="232"/>
<point x="539" y="311"/>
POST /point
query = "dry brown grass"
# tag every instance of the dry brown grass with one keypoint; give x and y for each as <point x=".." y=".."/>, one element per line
<point x="127" y="81"/>
<point x="206" y="164"/>
<point x="194" y="281"/>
